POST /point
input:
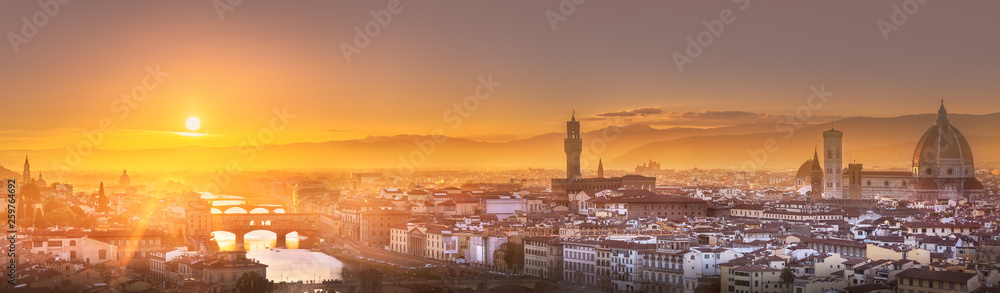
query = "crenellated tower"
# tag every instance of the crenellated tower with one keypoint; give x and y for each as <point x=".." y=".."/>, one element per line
<point x="574" y="146"/>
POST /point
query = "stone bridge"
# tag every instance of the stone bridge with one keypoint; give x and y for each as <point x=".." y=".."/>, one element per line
<point x="279" y="223"/>
<point x="249" y="208"/>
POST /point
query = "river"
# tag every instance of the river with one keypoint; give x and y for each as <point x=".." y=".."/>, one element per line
<point x="289" y="265"/>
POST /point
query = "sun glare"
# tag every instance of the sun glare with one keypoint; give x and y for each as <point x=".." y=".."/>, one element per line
<point x="193" y="123"/>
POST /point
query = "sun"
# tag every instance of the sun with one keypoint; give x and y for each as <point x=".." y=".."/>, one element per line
<point x="193" y="123"/>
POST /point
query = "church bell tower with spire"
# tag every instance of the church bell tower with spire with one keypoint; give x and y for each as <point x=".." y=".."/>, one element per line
<point x="27" y="171"/>
<point x="817" y="178"/>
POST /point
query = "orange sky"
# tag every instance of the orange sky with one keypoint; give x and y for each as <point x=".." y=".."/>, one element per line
<point x="605" y="58"/>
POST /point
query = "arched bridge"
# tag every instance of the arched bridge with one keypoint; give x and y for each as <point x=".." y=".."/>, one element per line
<point x="280" y="224"/>
<point x="247" y="208"/>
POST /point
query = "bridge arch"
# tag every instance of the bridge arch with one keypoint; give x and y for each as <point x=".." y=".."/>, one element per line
<point x="225" y="239"/>
<point x="235" y="210"/>
<point x="259" y="210"/>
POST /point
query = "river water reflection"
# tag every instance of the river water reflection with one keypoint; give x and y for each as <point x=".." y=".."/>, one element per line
<point x="287" y="265"/>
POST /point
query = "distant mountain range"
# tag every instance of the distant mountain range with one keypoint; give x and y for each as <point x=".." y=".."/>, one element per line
<point x="876" y="142"/>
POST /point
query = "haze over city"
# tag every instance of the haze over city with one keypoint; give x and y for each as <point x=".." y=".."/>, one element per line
<point x="508" y="146"/>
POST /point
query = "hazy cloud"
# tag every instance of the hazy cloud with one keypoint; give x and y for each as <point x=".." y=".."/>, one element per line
<point x="657" y="116"/>
<point x="644" y="111"/>
<point x="720" y="115"/>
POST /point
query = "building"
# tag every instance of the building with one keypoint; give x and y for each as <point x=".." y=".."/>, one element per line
<point x="755" y="279"/>
<point x="375" y="226"/>
<point x="703" y="266"/>
<point x="580" y="262"/>
<point x="648" y="168"/>
<point x="227" y="269"/>
<point x="939" y="229"/>
<point x="816" y="179"/>
<point x="482" y="250"/>
<point x="26" y="175"/>
<point x="844" y="247"/>
<point x="124" y="180"/>
<point x="645" y="204"/>
<point x="943" y="165"/>
<point x="350" y="215"/>
<point x="543" y="257"/>
<point x="73" y="246"/>
<point x="503" y="204"/>
<point x="810" y="178"/>
<point x="573" y="145"/>
<point x="761" y="212"/>
<point x="943" y="168"/>
<point x="918" y="280"/>
<point x="834" y="164"/>
<point x="198" y="218"/>
<point x="159" y="260"/>
<point x="574" y="181"/>
<point x="853" y="174"/>
<point x="627" y="264"/>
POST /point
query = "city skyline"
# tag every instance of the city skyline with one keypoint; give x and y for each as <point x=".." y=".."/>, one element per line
<point x="530" y="146"/>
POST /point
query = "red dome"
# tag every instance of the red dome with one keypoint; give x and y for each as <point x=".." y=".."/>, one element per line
<point x="973" y="184"/>
<point x="926" y="184"/>
<point x="805" y="171"/>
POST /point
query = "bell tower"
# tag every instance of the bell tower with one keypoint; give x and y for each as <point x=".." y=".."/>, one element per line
<point x="833" y="163"/>
<point x="27" y="171"/>
<point x="817" y="178"/>
<point x="574" y="146"/>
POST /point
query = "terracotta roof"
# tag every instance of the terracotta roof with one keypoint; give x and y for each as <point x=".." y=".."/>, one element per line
<point x="652" y="198"/>
<point x="943" y="276"/>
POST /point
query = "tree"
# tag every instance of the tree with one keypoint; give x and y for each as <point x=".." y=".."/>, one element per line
<point x="103" y="202"/>
<point x="514" y="255"/>
<point x="787" y="278"/>
<point x="51" y="205"/>
<point x="253" y="283"/>
<point x="62" y="217"/>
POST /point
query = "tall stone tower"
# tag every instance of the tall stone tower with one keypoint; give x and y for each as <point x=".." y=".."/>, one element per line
<point x="854" y="181"/>
<point x="600" y="168"/>
<point x="834" y="163"/>
<point x="817" y="178"/>
<point x="574" y="146"/>
<point x="27" y="171"/>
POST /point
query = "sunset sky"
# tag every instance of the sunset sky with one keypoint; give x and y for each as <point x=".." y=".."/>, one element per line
<point x="608" y="59"/>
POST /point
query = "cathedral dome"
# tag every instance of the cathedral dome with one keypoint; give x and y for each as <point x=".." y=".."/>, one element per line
<point x="973" y="184"/>
<point x="41" y="182"/>
<point x="805" y="171"/>
<point x="124" y="180"/>
<point x="943" y="152"/>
